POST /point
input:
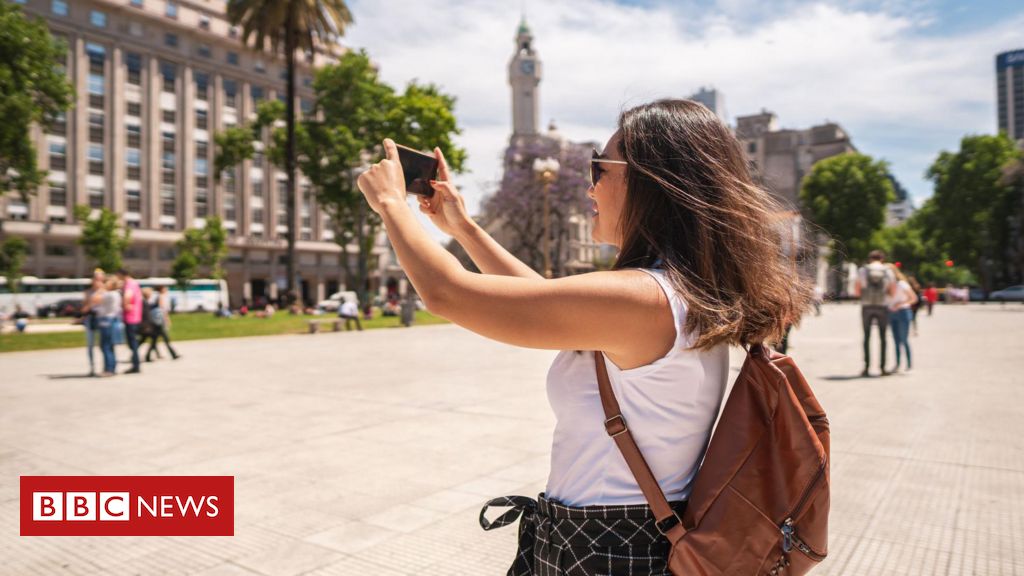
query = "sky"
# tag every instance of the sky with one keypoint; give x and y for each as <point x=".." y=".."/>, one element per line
<point x="905" y="78"/>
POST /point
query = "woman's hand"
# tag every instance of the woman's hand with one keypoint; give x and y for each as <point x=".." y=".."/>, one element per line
<point x="446" y="208"/>
<point x="384" y="183"/>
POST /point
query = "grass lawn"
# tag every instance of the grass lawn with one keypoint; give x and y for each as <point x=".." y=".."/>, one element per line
<point x="203" y="326"/>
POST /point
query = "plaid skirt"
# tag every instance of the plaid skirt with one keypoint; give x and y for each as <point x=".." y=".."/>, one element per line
<point x="560" y="540"/>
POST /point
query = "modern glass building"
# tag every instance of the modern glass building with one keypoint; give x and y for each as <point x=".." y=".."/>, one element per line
<point x="1010" y="93"/>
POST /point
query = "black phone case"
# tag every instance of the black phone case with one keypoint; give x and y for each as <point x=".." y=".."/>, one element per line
<point x="419" y="170"/>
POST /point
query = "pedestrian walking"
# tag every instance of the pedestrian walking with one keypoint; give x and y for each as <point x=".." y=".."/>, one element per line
<point x="349" y="311"/>
<point x="90" y="300"/>
<point x="918" y="301"/>
<point x="108" y="315"/>
<point x="158" y="314"/>
<point x="931" y="296"/>
<point x="876" y="284"/>
<point x="901" y="305"/>
<point x="132" y="316"/>
<point x="699" y="268"/>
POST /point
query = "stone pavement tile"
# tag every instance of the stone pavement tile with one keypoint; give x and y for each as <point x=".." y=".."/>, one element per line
<point x="490" y="486"/>
<point x="355" y="566"/>
<point x="985" y="566"/>
<point x="301" y="522"/>
<point x="450" y="501"/>
<point x="288" y="557"/>
<point x="352" y="536"/>
<point x="227" y="569"/>
<point x="170" y="559"/>
<point x="248" y="541"/>
<point x="1005" y="544"/>
<point x="404" y="518"/>
<point x="411" y="553"/>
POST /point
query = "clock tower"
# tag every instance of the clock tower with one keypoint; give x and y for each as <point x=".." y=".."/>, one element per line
<point x="524" y="76"/>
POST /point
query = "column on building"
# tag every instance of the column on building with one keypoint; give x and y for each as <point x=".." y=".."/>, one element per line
<point x="79" y="121"/>
<point x="114" y="132"/>
<point x="186" y="122"/>
<point x="151" y="138"/>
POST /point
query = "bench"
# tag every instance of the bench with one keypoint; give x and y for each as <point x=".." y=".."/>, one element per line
<point x="314" y="325"/>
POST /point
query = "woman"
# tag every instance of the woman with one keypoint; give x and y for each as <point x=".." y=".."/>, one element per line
<point x="90" y="299"/>
<point x="699" y="268"/>
<point x="108" y="314"/>
<point x="901" y="312"/>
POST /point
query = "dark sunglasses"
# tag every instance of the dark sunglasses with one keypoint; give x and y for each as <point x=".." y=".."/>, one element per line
<point x="595" y="169"/>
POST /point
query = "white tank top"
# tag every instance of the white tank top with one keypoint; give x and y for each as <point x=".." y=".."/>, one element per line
<point x="669" y="405"/>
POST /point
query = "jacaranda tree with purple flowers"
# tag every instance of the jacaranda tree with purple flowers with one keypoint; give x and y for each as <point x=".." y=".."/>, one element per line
<point x="517" y="207"/>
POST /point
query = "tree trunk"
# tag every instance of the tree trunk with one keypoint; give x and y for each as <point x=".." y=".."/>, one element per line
<point x="290" y="47"/>
<point x="363" y="256"/>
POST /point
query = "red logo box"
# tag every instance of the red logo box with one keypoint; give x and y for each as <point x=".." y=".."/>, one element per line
<point x="127" y="505"/>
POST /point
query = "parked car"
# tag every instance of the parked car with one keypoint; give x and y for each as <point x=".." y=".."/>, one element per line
<point x="334" y="302"/>
<point x="1011" y="294"/>
<point x="976" y="294"/>
<point x="67" y="307"/>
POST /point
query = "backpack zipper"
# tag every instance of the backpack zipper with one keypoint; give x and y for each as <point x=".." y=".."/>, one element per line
<point x="789" y="537"/>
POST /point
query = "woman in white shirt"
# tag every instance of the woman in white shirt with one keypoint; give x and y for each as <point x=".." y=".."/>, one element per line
<point x="700" y="267"/>
<point x="901" y="314"/>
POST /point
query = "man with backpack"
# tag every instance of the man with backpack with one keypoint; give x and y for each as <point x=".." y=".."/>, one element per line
<point x="875" y="284"/>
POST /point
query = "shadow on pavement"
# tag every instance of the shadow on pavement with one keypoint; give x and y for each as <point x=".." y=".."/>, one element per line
<point x="68" y="376"/>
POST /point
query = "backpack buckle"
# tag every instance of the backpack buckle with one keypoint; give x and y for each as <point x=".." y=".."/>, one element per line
<point x="617" y="428"/>
<point x="670" y="524"/>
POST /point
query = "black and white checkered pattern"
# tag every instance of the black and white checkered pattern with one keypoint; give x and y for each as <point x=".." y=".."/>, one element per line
<point x="559" y="540"/>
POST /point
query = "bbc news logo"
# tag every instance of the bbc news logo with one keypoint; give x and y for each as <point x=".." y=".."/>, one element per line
<point x="127" y="505"/>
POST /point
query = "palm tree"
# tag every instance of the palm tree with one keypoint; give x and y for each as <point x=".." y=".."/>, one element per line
<point x="290" y="25"/>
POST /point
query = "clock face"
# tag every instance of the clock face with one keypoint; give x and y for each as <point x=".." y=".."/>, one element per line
<point x="527" y="66"/>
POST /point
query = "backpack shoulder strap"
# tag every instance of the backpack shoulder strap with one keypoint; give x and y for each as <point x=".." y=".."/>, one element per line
<point x="668" y="523"/>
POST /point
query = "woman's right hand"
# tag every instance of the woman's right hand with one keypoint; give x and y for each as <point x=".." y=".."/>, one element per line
<point x="446" y="208"/>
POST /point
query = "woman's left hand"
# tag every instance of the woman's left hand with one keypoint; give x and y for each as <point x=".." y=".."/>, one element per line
<point x="384" y="183"/>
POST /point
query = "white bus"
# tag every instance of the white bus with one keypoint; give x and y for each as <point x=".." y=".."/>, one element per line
<point x="48" y="296"/>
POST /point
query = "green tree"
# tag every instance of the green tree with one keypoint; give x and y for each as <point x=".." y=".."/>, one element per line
<point x="290" y="26"/>
<point x="198" y="249"/>
<point x="33" y="89"/>
<point x="12" y="260"/>
<point x="354" y="112"/>
<point x="847" y="195"/>
<point x="103" y="237"/>
<point x="974" y="215"/>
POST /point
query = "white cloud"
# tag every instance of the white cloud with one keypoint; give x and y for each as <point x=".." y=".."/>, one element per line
<point x="881" y="74"/>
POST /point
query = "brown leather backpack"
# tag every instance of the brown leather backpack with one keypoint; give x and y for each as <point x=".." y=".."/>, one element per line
<point x="760" y="501"/>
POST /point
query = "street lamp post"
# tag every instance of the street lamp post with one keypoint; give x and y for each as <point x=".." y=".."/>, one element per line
<point x="546" y="170"/>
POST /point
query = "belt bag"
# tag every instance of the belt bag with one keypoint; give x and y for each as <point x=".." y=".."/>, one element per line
<point x="760" y="501"/>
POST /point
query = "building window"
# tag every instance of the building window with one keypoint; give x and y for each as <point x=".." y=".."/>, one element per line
<point x="134" y="64"/>
<point x="134" y="135"/>
<point x="202" y="167"/>
<point x="230" y="94"/>
<point x="202" y="149"/>
<point x="202" y="85"/>
<point x="257" y="94"/>
<point x="59" y="125"/>
<point x="168" y="161"/>
<point x="201" y="203"/>
<point x="95" y="128"/>
<point x="135" y="109"/>
<point x="168" y="116"/>
<point x="58" y="194"/>
<point x="233" y="58"/>
<point x="233" y="32"/>
<point x="132" y="159"/>
<point x="257" y="189"/>
<point x="752" y="148"/>
<point x="135" y="29"/>
<point x="204" y="21"/>
<point x="95" y="160"/>
<point x="58" y="250"/>
<point x="260" y="66"/>
<point x="204" y="50"/>
<point x="96" y="87"/>
<point x="167" y="204"/>
<point x="171" y="40"/>
<point x="134" y="200"/>
<point x="58" y="158"/>
<point x="171" y="10"/>
<point x="98" y="19"/>
<point x="257" y="215"/>
<point x="95" y="197"/>
<point x="168" y="71"/>
<point x="202" y="119"/>
<point x="229" y="207"/>
<point x="59" y="7"/>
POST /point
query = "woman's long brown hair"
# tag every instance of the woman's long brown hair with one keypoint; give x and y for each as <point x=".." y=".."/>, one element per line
<point x="692" y="203"/>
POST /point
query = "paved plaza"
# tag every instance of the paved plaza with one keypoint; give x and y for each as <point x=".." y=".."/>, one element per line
<point x="371" y="453"/>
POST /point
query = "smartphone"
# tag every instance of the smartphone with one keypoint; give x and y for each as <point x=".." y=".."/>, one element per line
<point x="419" y="168"/>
